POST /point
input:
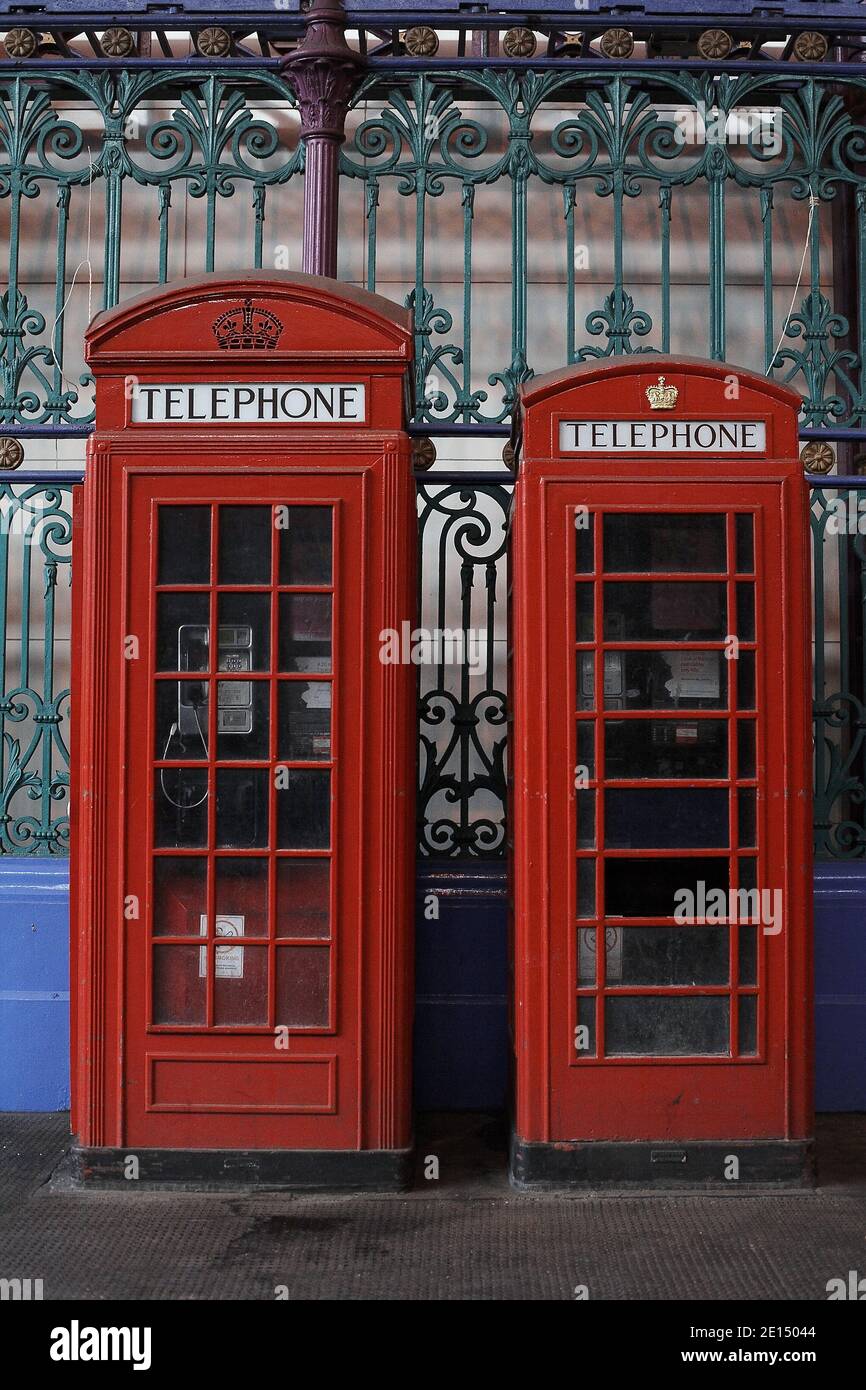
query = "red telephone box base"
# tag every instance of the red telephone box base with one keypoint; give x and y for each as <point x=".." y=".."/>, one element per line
<point x="785" y="1163"/>
<point x="310" y="1170"/>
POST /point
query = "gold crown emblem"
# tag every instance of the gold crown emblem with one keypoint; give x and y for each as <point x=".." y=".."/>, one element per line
<point x="662" y="397"/>
<point x="246" y="327"/>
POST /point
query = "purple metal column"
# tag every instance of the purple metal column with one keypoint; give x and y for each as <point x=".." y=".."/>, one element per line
<point x="323" y="73"/>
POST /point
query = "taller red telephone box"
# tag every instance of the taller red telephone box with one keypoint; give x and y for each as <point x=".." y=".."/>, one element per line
<point x="244" y="761"/>
<point x="661" y="756"/>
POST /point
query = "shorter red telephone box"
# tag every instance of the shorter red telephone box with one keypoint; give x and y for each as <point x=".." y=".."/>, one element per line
<point x="243" y="764"/>
<point x="661" y="757"/>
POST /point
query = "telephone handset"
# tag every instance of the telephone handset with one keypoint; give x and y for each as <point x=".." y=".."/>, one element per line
<point x="234" y="698"/>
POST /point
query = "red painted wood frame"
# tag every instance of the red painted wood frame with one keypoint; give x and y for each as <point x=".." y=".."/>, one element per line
<point x="299" y="1037"/>
<point x="580" y="630"/>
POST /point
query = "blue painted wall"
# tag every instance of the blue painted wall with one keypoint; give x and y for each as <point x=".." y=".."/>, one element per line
<point x="840" y="986"/>
<point x="461" y="1019"/>
<point x="461" y="988"/>
<point x="34" y="984"/>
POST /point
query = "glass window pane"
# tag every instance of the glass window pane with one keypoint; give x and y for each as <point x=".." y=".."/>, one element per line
<point x="179" y="895"/>
<point x="305" y="633"/>
<point x="584" y="611"/>
<point x="586" y="746"/>
<point x="746" y="680"/>
<point x="586" y="956"/>
<point x="748" y="871"/>
<point x="584" y="541"/>
<point x="586" y="887"/>
<point x="748" y="953"/>
<point x="746" y="747"/>
<point x="183" y="554"/>
<point x="649" y="887"/>
<point x="666" y="1026"/>
<point x="180" y="807"/>
<point x="747" y="817"/>
<point x="655" y="542"/>
<point x="182" y="632"/>
<point x="664" y="611"/>
<point x="304" y="721"/>
<point x="242" y="808"/>
<point x="666" y="818"/>
<point x="243" y="720"/>
<point x="746" y="612"/>
<point x="304" y="810"/>
<point x="586" y="680"/>
<point x="245" y="545"/>
<point x="302" y="986"/>
<point x="244" y="632"/>
<point x="665" y="680"/>
<point x="304" y="897"/>
<point x="305" y="544"/>
<point x="240" y="990"/>
<point x="584" y="1040"/>
<point x="666" y="748"/>
<point x="745" y="544"/>
<point x="241" y="889"/>
<point x="179" y="985"/>
<point x="585" y="819"/>
<point x="181" y="721"/>
<point x="748" y="1024"/>
<point x="670" y="956"/>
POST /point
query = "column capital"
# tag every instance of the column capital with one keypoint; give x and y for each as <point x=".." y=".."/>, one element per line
<point x="324" y="71"/>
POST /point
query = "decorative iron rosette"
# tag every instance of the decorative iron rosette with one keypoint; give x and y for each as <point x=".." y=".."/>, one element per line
<point x="817" y="457"/>
<point x="213" y="42"/>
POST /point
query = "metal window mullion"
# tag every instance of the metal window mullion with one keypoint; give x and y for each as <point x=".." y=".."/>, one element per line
<point x="717" y="260"/>
<point x="665" y="195"/>
<point x="569" y="193"/>
<point x="371" y="197"/>
<point x="63" y="194"/>
<point x="769" y="316"/>
<point x="468" y="198"/>
<point x="164" y="206"/>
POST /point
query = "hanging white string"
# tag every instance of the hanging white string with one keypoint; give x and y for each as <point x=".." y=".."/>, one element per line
<point x="813" y="205"/>
<point x="73" y="385"/>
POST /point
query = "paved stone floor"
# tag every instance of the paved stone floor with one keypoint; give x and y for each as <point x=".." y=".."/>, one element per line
<point x="467" y="1236"/>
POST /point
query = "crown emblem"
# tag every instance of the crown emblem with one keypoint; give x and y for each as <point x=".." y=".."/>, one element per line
<point x="247" y="327"/>
<point x="662" y="397"/>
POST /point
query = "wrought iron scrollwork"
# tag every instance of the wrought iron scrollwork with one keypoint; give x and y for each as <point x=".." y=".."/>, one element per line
<point x="462" y="714"/>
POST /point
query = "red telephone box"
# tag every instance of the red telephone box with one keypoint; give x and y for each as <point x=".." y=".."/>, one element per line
<point x="661" y="778"/>
<point x="244" y="762"/>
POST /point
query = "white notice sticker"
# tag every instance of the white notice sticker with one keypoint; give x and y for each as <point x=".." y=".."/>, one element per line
<point x="229" y="959"/>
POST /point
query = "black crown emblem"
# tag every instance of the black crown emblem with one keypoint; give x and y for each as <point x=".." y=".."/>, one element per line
<point x="247" y="327"/>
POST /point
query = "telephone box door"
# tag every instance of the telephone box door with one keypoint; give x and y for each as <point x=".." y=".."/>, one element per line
<point x="242" y="978"/>
<point x="664" y="685"/>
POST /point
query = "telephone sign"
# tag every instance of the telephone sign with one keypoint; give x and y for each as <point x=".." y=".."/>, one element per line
<point x="244" y="761"/>
<point x="661" y="777"/>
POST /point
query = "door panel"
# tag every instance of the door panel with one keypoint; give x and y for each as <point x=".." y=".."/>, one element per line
<point x="242" y="976"/>
<point x="668" y="1004"/>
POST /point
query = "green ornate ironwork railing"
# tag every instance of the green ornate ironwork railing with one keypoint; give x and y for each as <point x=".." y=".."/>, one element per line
<point x="85" y="144"/>
<point x="636" y="198"/>
<point x="651" y="145"/>
<point x="839" y="568"/>
<point x="664" y="157"/>
<point x="462" y="711"/>
<point x="35" y="575"/>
